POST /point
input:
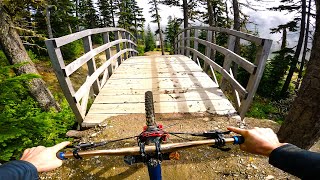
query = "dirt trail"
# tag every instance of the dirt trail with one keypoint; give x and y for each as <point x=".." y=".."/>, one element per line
<point x="195" y="163"/>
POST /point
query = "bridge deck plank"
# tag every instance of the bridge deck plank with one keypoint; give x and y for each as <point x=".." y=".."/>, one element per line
<point x="179" y="86"/>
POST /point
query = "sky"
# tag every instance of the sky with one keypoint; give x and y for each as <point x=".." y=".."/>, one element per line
<point x="264" y="19"/>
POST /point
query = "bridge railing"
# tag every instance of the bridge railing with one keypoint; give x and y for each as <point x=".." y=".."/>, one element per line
<point x="125" y="48"/>
<point x="243" y="96"/>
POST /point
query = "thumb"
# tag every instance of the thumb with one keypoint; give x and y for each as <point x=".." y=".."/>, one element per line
<point x="236" y="130"/>
<point x="60" y="146"/>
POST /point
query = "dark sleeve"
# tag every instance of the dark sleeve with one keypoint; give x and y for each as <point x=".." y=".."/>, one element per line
<point x="301" y="163"/>
<point x="18" y="170"/>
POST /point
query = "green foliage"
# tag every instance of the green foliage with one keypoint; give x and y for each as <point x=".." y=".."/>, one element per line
<point x="140" y="49"/>
<point x="150" y="42"/>
<point x="106" y="12"/>
<point x="248" y="51"/>
<point x="272" y="80"/>
<point x="72" y="50"/>
<point x="88" y="15"/>
<point x="32" y="55"/>
<point x="172" y="30"/>
<point x="23" y="123"/>
<point x="263" y="108"/>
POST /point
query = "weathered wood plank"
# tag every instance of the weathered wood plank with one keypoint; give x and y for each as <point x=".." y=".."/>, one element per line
<point x="87" y="43"/>
<point x="83" y="89"/>
<point x="258" y="41"/>
<point x="117" y="36"/>
<point x="147" y="75"/>
<point x="124" y="45"/>
<point x="234" y="83"/>
<point x="175" y="97"/>
<point x="75" y="65"/>
<point x="245" y="64"/>
<point x="187" y="83"/>
<point x="223" y="107"/>
<point x="65" y="83"/>
<point x="254" y="80"/>
<point x="196" y="46"/>
<point x="188" y="42"/>
<point x="79" y="35"/>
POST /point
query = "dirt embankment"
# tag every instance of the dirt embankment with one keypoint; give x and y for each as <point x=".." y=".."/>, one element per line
<point x="195" y="163"/>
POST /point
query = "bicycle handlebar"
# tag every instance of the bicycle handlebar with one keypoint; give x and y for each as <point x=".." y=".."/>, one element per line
<point x="165" y="148"/>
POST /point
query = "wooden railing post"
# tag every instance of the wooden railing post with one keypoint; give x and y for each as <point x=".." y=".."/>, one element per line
<point x="254" y="80"/>
<point x="176" y="44"/>
<point x="87" y="42"/>
<point x="116" y="37"/>
<point x="196" y="45"/>
<point x="179" y="44"/>
<point x="208" y="50"/>
<point x="123" y="36"/>
<point x="183" y="35"/>
<point x="188" y="43"/>
<point x="64" y="81"/>
<point x="106" y="39"/>
<point x="129" y="45"/>
<point x="227" y="61"/>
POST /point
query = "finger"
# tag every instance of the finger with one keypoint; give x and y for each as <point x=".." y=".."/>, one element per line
<point x="39" y="149"/>
<point x="236" y="130"/>
<point x="25" y="152"/>
<point x="60" y="146"/>
<point x="31" y="150"/>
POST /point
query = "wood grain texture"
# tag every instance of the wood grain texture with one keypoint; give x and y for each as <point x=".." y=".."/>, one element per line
<point x="179" y="86"/>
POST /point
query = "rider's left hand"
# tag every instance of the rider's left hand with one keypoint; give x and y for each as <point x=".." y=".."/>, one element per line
<point x="44" y="159"/>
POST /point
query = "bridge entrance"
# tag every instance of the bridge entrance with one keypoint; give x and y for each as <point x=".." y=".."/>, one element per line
<point x="180" y="83"/>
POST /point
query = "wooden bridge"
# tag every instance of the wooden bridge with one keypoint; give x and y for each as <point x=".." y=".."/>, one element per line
<point x="179" y="83"/>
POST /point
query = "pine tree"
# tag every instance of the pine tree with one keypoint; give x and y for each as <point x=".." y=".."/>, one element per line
<point x="172" y="29"/>
<point x="301" y="126"/>
<point x="294" y="6"/>
<point x="105" y="9"/>
<point x="150" y="43"/>
<point x="155" y="10"/>
<point x="125" y="14"/>
<point x="88" y="15"/>
<point x="138" y="19"/>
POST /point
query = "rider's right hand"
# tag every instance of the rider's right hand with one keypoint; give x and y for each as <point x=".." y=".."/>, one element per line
<point x="260" y="141"/>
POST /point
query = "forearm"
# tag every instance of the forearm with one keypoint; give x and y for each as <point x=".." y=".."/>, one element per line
<point x="301" y="163"/>
<point x="17" y="170"/>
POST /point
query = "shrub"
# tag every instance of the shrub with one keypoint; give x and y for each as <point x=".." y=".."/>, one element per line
<point x="32" y="55"/>
<point x="263" y="108"/>
<point x="72" y="50"/>
<point x="23" y="124"/>
<point x="140" y="49"/>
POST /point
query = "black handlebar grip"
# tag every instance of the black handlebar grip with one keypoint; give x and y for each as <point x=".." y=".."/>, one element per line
<point x="238" y="139"/>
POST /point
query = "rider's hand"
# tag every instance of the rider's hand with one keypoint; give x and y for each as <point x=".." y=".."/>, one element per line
<point x="260" y="141"/>
<point x="44" y="159"/>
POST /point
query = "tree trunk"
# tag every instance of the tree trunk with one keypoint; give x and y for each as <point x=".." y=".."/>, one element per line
<point x="135" y="27"/>
<point x="212" y="22"/>
<point x="50" y="35"/>
<point x="160" y="31"/>
<point x="77" y="15"/>
<point x="112" y="13"/>
<point x="185" y="13"/>
<point x="227" y="14"/>
<point x="304" y="48"/>
<point x="298" y="50"/>
<point x="15" y="52"/>
<point x="210" y="12"/>
<point x="302" y="125"/>
<point x="283" y="44"/>
<point x="237" y="27"/>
